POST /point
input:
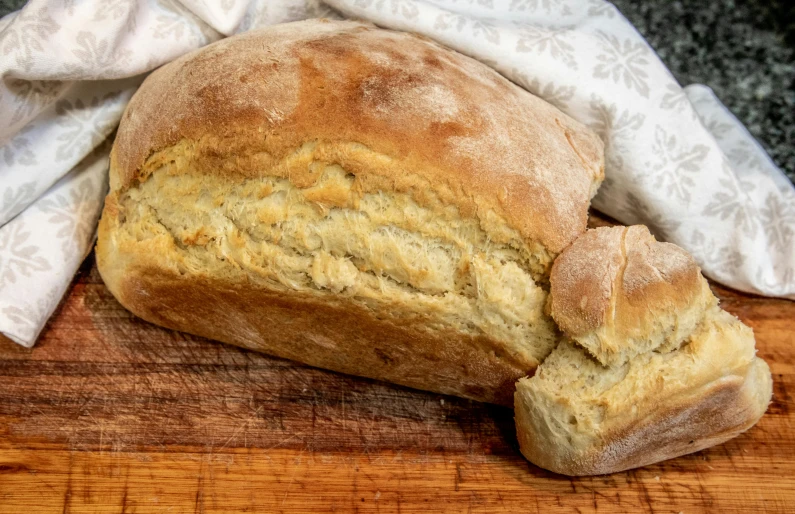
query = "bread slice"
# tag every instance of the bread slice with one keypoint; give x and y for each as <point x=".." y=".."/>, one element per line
<point x="650" y="367"/>
<point x="577" y="417"/>
<point x="356" y="199"/>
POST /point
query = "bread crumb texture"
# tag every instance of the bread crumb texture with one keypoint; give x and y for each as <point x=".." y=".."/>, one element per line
<point x="336" y="236"/>
<point x="594" y="393"/>
<point x="578" y="417"/>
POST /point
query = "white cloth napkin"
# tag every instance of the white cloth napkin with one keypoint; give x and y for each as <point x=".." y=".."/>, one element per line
<point x="677" y="160"/>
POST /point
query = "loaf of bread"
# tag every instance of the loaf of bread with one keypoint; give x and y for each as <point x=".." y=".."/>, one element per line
<point x="356" y="199"/>
<point x="650" y="368"/>
<point x="370" y="202"/>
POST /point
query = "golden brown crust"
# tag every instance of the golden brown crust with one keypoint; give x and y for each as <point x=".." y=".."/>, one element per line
<point x="479" y="140"/>
<point x="657" y="274"/>
<point x="624" y="263"/>
<point x="582" y="278"/>
<point x="618" y="292"/>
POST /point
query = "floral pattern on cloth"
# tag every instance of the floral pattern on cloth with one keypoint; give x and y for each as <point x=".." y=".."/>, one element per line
<point x="676" y="159"/>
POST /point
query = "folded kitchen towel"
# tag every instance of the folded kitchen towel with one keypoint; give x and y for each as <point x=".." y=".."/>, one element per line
<point x="676" y="159"/>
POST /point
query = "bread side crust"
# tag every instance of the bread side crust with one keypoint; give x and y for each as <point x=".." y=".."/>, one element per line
<point x="132" y="245"/>
<point x="329" y="332"/>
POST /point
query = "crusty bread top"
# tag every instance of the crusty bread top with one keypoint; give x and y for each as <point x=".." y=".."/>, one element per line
<point x="618" y="292"/>
<point x="454" y="124"/>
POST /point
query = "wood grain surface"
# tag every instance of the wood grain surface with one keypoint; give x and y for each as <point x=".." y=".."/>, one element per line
<point x="111" y="414"/>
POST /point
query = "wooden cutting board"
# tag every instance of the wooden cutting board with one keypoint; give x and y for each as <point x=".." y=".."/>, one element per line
<point x="111" y="414"/>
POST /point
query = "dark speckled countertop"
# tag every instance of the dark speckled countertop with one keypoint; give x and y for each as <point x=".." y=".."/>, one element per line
<point x="743" y="49"/>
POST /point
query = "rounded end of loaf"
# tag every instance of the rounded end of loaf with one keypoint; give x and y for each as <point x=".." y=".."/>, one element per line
<point x="619" y="292"/>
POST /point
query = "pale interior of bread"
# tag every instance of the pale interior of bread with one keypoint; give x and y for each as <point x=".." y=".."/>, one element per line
<point x="384" y="250"/>
<point x="574" y="405"/>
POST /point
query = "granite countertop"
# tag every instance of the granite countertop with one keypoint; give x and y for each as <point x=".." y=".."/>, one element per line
<point x="743" y="49"/>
